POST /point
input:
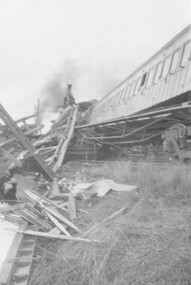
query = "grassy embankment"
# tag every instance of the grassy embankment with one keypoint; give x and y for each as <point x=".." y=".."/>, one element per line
<point x="149" y="244"/>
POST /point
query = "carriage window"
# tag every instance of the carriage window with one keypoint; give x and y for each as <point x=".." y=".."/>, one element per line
<point x="112" y="100"/>
<point x="186" y="54"/>
<point x="175" y="58"/>
<point x="126" y="93"/>
<point x="166" y="66"/>
<point x="108" y="104"/>
<point x="120" y="96"/>
<point x="138" y="85"/>
<point x="158" y="72"/>
<point x="150" y="77"/>
<point x="132" y="89"/>
<point x="143" y="79"/>
<point x="123" y="94"/>
<point x="115" y="99"/>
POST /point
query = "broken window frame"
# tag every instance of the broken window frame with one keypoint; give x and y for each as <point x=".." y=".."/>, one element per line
<point x="175" y="61"/>
<point x="186" y="54"/>
<point x="166" y="67"/>
<point x="150" y="77"/>
<point x="158" y="72"/>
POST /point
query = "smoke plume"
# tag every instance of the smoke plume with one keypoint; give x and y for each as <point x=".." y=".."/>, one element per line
<point x="89" y="81"/>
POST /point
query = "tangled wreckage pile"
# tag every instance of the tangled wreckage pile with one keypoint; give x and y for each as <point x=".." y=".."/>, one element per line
<point x="25" y="152"/>
<point x="24" y="149"/>
<point x="33" y="192"/>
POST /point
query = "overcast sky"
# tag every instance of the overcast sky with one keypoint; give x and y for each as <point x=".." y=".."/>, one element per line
<point x="93" y="43"/>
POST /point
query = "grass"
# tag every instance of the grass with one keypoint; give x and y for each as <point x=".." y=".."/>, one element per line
<point x="149" y="244"/>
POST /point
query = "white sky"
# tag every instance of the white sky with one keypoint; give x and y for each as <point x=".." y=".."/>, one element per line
<point x="103" y="40"/>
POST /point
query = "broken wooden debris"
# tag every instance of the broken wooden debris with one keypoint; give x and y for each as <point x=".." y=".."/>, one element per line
<point x="7" y="154"/>
<point x="37" y="197"/>
<point x="42" y="214"/>
<point x="57" y="224"/>
<point x="42" y="200"/>
<point x="24" y="142"/>
<point x="61" y="218"/>
<point x="52" y="236"/>
<point x="54" y="231"/>
<point x="112" y="216"/>
<point x="64" y="142"/>
<point x="43" y="153"/>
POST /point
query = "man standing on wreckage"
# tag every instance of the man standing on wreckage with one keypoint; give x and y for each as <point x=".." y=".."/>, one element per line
<point x="68" y="96"/>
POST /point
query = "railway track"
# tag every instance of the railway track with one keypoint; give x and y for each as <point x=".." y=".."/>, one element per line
<point x="16" y="267"/>
<point x="128" y="163"/>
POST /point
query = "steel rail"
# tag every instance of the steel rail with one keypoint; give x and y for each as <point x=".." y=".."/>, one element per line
<point x="154" y="163"/>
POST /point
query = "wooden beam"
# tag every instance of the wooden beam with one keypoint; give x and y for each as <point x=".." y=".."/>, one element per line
<point x="10" y="157"/>
<point x="47" y="235"/>
<point x="4" y="115"/>
<point x="57" y="224"/>
<point x="114" y="215"/>
<point x="63" y="145"/>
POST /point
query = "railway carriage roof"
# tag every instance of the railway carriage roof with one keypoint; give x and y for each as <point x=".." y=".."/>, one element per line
<point x="179" y="35"/>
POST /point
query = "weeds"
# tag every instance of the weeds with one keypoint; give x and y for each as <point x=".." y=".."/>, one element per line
<point x="150" y="244"/>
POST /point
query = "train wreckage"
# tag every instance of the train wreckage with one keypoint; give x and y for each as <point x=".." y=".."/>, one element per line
<point x="148" y="115"/>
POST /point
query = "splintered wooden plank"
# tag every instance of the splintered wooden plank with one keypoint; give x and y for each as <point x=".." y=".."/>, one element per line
<point x="112" y="216"/>
<point x="40" y="199"/>
<point x="47" y="235"/>
<point x="4" y="115"/>
<point x="62" y="218"/>
<point x="63" y="145"/>
<point x="54" y="231"/>
<point x="54" y="220"/>
<point x="36" y="197"/>
<point x="35" y="219"/>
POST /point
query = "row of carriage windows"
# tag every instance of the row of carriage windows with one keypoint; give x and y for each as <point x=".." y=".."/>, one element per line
<point x="164" y="67"/>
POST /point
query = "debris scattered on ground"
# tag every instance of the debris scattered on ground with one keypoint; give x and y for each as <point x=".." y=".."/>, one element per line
<point x="22" y="146"/>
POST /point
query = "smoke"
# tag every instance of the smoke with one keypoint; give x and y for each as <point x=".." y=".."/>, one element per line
<point x="89" y="81"/>
<point x="54" y="89"/>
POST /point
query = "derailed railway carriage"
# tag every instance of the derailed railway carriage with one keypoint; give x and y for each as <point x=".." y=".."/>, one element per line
<point x="150" y="111"/>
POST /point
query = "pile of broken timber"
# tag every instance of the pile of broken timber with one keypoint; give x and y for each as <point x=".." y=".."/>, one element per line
<point x="45" y="217"/>
<point x="10" y="147"/>
<point x="53" y="146"/>
<point x="47" y="152"/>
